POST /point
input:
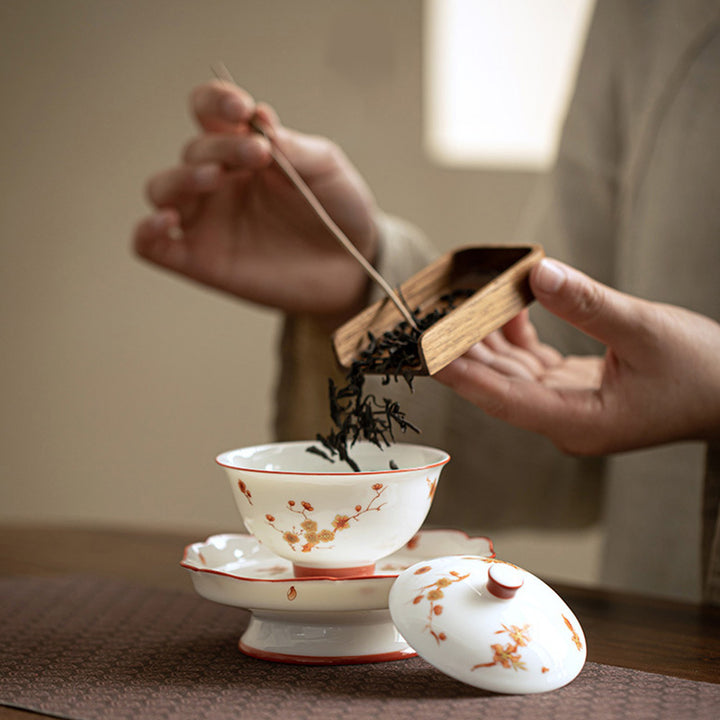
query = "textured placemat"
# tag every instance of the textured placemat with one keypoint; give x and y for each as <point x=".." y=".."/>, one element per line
<point x="87" y="648"/>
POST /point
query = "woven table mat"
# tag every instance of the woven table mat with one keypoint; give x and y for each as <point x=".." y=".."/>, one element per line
<point x="89" y="648"/>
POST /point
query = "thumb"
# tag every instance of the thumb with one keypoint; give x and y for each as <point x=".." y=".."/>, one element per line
<point x="605" y="314"/>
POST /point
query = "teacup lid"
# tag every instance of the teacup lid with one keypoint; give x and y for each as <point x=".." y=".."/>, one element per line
<point x="488" y="623"/>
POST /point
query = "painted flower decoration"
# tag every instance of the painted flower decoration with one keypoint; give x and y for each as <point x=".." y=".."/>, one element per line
<point x="308" y="533"/>
<point x="433" y="593"/>
<point x="518" y="634"/>
<point x="242" y="486"/>
<point x="575" y="637"/>
<point x="507" y="656"/>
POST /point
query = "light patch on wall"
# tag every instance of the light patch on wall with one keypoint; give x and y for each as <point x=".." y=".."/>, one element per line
<point x="498" y="75"/>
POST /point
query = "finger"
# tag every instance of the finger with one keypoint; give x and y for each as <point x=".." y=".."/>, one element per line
<point x="483" y="353"/>
<point x="499" y="343"/>
<point x="184" y="184"/>
<point x="311" y="155"/>
<point x="220" y="106"/>
<point x="608" y="315"/>
<point x="157" y="238"/>
<point x="569" y="417"/>
<point x="247" y="151"/>
<point x="521" y="332"/>
<point x="267" y="116"/>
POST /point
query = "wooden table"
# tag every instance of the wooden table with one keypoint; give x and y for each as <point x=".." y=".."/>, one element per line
<point x="643" y="633"/>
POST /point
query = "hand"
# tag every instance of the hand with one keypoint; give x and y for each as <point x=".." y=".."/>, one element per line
<point x="658" y="382"/>
<point x="227" y="217"/>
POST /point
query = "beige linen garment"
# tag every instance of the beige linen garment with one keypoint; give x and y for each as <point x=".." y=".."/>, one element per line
<point x="633" y="201"/>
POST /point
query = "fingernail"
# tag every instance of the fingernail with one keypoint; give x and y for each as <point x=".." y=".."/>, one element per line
<point x="160" y="220"/>
<point x="206" y="176"/>
<point x="549" y="276"/>
<point x="233" y="109"/>
<point x="176" y="233"/>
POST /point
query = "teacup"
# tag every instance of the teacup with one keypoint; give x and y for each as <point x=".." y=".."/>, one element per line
<point x="323" y="517"/>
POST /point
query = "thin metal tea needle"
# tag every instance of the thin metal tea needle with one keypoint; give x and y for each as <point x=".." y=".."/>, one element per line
<point x="222" y="73"/>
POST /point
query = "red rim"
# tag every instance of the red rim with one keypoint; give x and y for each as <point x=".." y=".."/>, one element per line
<point x="351" y="473"/>
<point x="306" y="571"/>
<point x="185" y="563"/>
<point x="323" y="659"/>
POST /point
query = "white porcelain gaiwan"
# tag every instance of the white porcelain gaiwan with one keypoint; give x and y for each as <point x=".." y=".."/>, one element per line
<point x="488" y="623"/>
<point x="328" y="520"/>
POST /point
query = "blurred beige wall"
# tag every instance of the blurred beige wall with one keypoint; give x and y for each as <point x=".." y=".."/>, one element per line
<point x="121" y="383"/>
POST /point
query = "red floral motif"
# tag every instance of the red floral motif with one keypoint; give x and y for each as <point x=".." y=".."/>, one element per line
<point x="291" y="593"/>
<point x="273" y="570"/>
<point x="517" y="634"/>
<point x="245" y="491"/>
<point x="495" y="561"/>
<point x="432" y="486"/>
<point x="434" y="593"/>
<point x="575" y="636"/>
<point x="388" y="567"/>
<point x="308" y="535"/>
<point x="341" y="522"/>
<point x="507" y="655"/>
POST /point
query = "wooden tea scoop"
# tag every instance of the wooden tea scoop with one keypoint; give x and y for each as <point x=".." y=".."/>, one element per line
<point x="294" y="177"/>
<point x="496" y="278"/>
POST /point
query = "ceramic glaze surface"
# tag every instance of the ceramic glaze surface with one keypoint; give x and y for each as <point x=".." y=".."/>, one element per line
<point x="505" y="631"/>
<point x="237" y="570"/>
<point x="316" y="621"/>
<point x="325" y="517"/>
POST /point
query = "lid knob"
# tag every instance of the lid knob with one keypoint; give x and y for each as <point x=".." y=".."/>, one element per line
<point x="504" y="580"/>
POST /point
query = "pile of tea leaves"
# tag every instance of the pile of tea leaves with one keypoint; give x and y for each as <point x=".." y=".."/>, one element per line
<point x="357" y="415"/>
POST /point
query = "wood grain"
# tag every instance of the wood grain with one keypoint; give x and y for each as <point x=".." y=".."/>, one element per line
<point x="498" y="275"/>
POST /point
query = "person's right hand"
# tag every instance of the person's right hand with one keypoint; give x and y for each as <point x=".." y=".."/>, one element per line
<point x="658" y="382"/>
<point x="227" y="217"/>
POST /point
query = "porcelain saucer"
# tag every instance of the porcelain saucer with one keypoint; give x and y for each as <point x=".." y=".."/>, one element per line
<point x="314" y="620"/>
